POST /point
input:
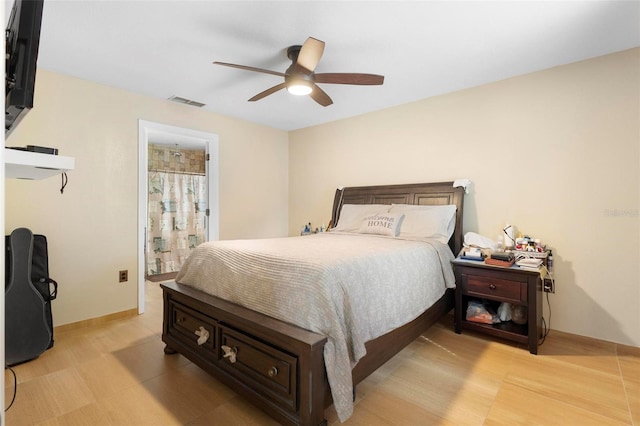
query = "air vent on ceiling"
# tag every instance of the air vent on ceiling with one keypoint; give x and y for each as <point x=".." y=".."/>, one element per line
<point x="186" y="101"/>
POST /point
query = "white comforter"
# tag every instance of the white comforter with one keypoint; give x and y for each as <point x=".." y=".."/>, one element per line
<point x="349" y="287"/>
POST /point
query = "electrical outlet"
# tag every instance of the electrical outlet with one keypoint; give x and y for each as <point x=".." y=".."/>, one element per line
<point x="549" y="286"/>
<point x="123" y="276"/>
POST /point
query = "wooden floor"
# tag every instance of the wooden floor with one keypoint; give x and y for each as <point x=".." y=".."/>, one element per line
<point x="117" y="374"/>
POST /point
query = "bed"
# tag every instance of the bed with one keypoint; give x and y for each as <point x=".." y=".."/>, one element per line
<point x="268" y="354"/>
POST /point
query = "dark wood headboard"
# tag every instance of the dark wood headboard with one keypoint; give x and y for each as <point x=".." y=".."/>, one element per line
<point x="426" y="194"/>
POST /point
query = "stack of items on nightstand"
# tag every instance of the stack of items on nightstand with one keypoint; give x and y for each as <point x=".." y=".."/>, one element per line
<point x="505" y="258"/>
<point x="472" y="253"/>
<point x="530" y="253"/>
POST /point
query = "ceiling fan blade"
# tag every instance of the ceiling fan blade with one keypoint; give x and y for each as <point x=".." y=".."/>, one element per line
<point x="310" y="54"/>
<point x="268" y="92"/>
<point x="318" y="95"/>
<point x="350" y="78"/>
<point x="244" y="67"/>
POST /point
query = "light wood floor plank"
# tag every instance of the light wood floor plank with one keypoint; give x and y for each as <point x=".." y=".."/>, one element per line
<point x="590" y="389"/>
<point x="508" y="409"/>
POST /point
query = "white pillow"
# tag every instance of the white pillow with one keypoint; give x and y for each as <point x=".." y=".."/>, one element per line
<point x="382" y="224"/>
<point x="351" y="215"/>
<point x="437" y="222"/>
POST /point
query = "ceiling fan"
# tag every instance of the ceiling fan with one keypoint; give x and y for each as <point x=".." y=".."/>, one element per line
<point x="300" y="78"/>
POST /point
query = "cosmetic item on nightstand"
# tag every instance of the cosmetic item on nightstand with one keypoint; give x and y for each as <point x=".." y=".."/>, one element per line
<point x="510" y="239"/>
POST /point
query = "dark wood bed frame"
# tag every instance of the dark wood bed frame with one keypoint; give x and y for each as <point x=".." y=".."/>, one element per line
<point x="275" y="365"/>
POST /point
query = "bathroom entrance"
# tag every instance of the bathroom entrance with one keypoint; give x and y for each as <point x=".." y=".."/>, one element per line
<point x="177" y="198"/>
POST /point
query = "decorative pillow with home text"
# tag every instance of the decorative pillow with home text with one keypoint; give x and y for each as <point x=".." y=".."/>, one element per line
<point x="351" y="215"/>
<point x="382" y="224"/>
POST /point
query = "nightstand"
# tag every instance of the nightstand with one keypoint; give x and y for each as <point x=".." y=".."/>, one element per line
<point x="477" y="280"/>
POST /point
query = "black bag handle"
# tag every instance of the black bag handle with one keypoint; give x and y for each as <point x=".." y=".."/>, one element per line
<point x="53" y="294"/>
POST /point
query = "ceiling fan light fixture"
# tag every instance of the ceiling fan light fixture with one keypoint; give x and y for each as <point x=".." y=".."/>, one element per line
<point x="299" y="87"/>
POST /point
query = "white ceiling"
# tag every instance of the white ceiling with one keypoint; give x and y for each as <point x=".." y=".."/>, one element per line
<point x="423" y="48"/>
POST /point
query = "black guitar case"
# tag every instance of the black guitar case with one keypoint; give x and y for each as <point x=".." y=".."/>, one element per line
<point x="28" y="296"/>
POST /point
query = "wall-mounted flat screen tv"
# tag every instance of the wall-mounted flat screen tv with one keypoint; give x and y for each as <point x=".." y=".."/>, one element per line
<point x="22" y="42"/>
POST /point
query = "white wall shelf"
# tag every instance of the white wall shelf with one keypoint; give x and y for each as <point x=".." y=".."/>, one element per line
<point x="33" y="165"/>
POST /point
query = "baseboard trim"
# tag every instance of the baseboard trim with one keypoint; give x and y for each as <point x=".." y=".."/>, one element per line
<point x="92" y="322"/>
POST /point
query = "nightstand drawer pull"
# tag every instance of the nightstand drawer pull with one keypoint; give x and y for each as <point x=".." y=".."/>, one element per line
<point x="273" y="372"/>
<point x="492" y="286"/>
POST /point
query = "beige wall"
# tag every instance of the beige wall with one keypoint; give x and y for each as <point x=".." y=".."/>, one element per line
<point x="92" y="227"/>
<point x="556" y="153"/>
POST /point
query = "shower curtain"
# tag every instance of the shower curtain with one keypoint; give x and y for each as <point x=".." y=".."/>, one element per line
<point x="176" y="223"/>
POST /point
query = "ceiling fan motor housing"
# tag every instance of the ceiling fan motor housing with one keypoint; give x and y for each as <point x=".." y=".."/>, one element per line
<point x="295" y="68"/>
<point x="297" y="75"/>
<point x="293" y="52"/>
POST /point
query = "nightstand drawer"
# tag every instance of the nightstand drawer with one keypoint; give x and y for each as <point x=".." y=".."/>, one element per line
<point x="496" y="288"/>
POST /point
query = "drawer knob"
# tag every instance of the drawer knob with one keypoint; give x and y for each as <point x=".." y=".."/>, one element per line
<point x="492" y="286"/>
<point x="180" y="320"/>
<point x="203" y="335"/>
<point x="273" y="372"/>
<point x="230" y="353"/>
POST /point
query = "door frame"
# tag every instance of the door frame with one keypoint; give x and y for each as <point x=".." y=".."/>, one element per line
<point x="210" y="143"/>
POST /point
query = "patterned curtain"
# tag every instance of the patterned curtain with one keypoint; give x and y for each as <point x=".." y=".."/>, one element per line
<point x="177" y="204"/>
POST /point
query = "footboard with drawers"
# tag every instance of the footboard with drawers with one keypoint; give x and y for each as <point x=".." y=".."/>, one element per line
<point x="257" y="356"/>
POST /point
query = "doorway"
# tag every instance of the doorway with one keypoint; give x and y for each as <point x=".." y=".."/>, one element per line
<point x="160" y="250"/>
